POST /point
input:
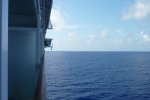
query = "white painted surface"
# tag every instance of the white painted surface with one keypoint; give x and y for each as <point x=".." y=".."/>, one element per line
<point x="3" y="49"/>
<point x="23" y="71"/>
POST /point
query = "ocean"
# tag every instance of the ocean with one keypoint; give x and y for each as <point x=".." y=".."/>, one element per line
<point x="97" y="75"/>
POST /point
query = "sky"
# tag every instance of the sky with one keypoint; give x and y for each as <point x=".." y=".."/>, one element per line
<point x="100" y="25"/>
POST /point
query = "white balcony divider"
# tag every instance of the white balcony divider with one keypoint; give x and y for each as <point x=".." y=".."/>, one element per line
<point x="3" y="49"/>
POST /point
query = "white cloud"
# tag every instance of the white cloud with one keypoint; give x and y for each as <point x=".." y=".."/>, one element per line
<point x="103" y="33"/>
<point x="71" y="26"/>
<point x="97" y="37"/>
<point x="118" y="41"/>
<point x="73" y="38"/>
<point x="138" y="10"/>
<point x="59" y="20"/>
<point x="119" y="31"/>
<point x="130" y="40"/>
<point x="146" y="37"/>
<point x="90" y="39"/>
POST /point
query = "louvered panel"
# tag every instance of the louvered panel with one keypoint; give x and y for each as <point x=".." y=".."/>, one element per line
<point x="22" y="64"/>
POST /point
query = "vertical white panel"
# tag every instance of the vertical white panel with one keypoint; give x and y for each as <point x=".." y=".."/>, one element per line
<point x="0" y="41"/>
<point x="22" y="63"/>
<point x="3" y="49"/>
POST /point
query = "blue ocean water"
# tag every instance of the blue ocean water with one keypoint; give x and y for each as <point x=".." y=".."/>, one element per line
<point x="97" y="75"/>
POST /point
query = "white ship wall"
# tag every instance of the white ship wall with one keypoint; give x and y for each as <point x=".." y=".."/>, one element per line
<point x="22" y="63"/>
<point x="3" y="49"/>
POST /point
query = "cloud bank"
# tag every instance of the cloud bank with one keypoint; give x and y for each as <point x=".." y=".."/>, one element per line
<point x="146" y="37"/>
<point x="140" y="9"/>
<point x="60" y="20"/>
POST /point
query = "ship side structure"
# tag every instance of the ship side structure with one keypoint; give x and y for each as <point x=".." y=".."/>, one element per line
<point x="23" y="25"/>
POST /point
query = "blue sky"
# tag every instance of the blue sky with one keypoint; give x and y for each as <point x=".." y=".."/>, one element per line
<point x="100" y="25"/>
